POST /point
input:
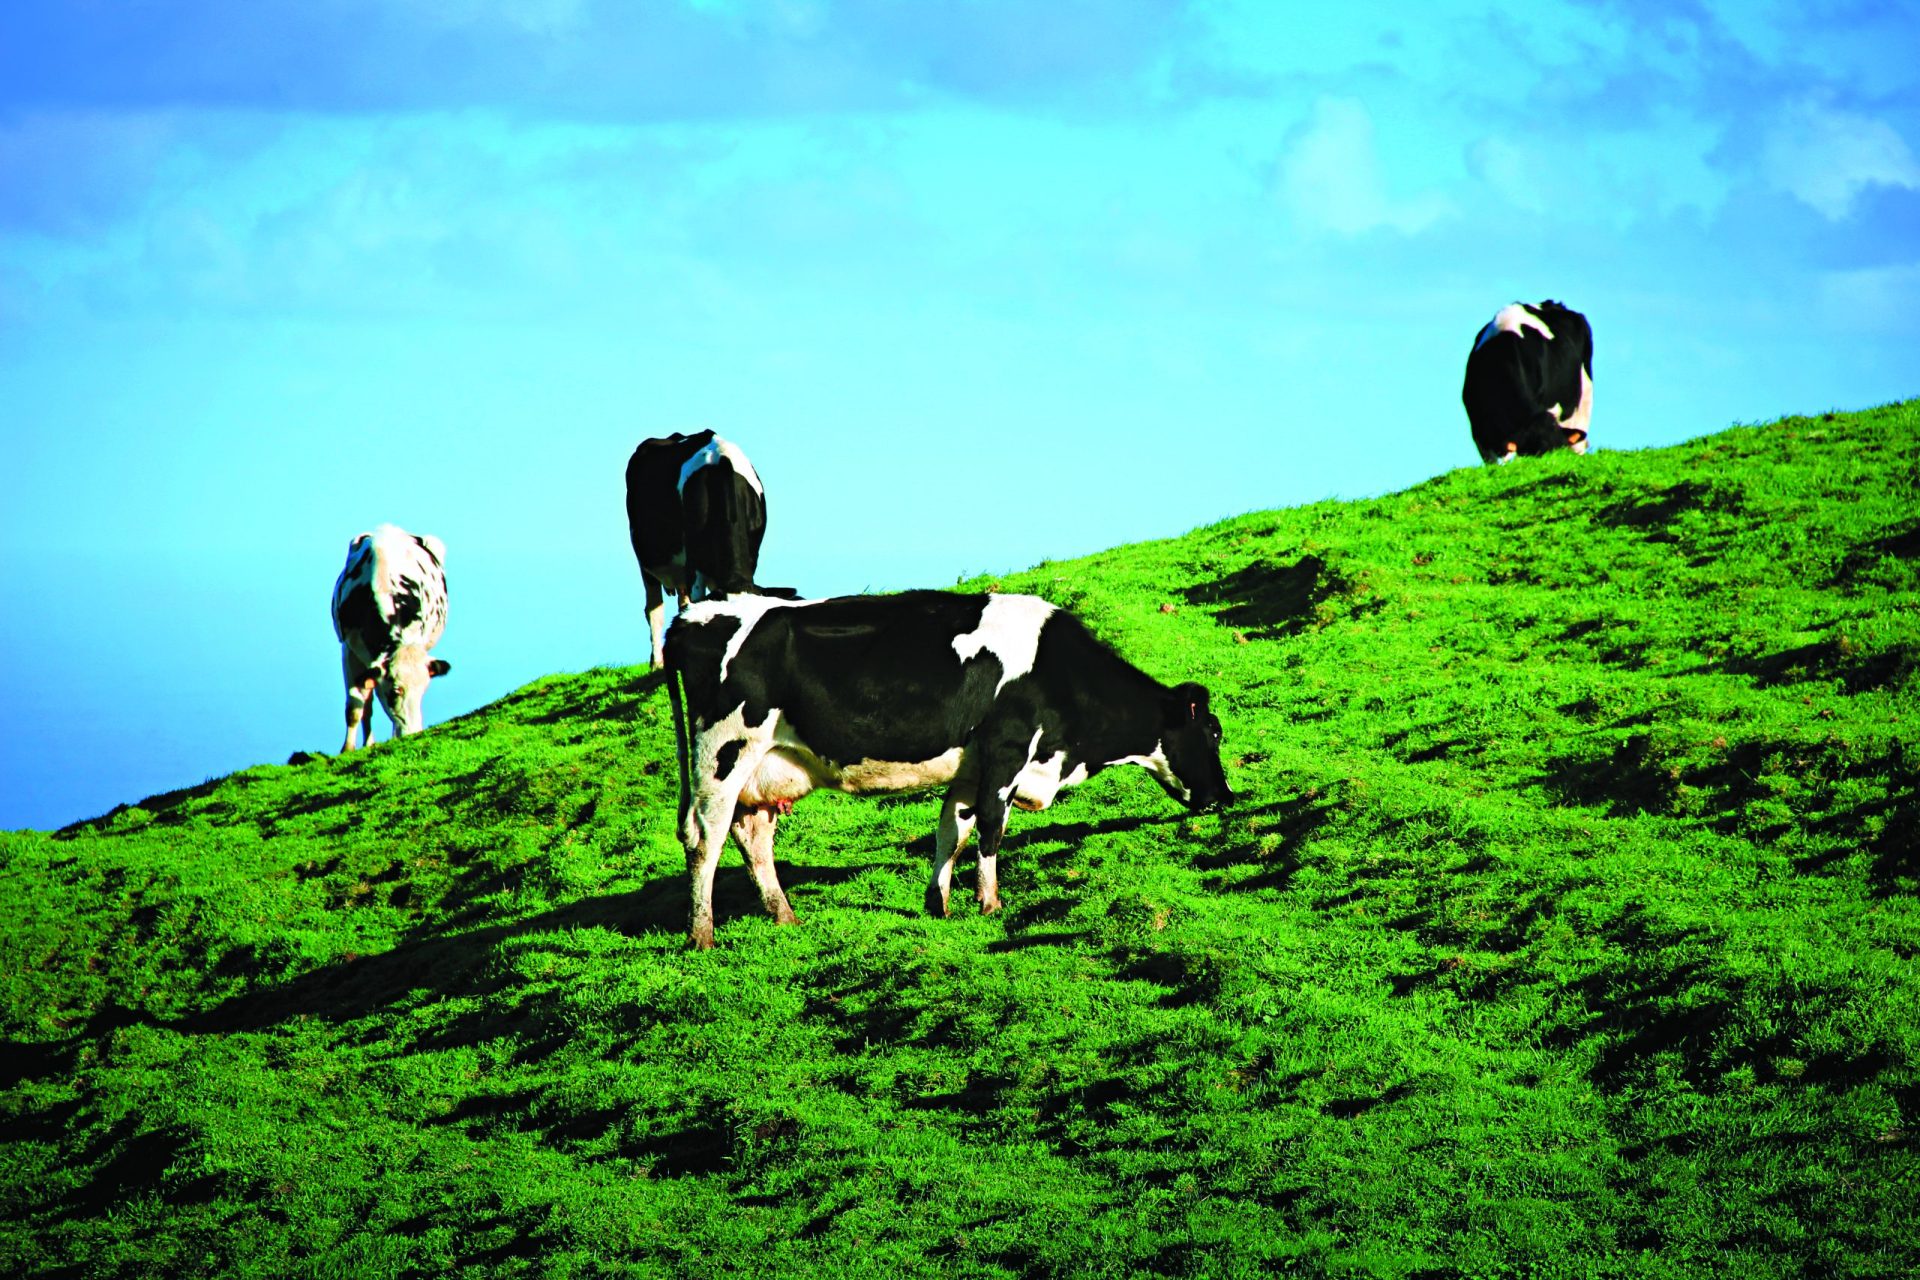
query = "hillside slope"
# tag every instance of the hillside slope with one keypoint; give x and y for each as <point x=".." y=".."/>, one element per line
<point x="1567" y="926"/>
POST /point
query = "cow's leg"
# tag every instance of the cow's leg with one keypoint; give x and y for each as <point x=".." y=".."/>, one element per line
<point x="715" y="799"/>
<point x="367" y="695"/>
<point x="1006" y="750"/>
<point x="707" y="833"/>
<point x="990" y="816"/>
<point x="753" y="832"/>
<point x="359" y="701"/>
<point x="656" y="617"/>
<point x="956" y="824"/>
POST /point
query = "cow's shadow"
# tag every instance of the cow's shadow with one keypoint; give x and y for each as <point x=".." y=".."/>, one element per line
<point x="455" y="956"/>
<point x="454" y="962"/>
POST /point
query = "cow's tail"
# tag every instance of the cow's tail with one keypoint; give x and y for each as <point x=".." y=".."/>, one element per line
<point x="682" y="744"/>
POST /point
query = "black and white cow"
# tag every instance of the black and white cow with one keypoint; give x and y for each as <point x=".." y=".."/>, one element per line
<point x="389" y="608"/>
<point x="696" y="513"/>
<point x="1529" y="387"/>
<point x="1002" y="699"/>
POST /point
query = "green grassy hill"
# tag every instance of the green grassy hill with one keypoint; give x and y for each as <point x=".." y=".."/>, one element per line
<point x="1567" y="927"/>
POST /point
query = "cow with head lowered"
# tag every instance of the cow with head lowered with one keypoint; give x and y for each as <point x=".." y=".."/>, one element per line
<point x="1000" y="699"/>
<point x="696" y="513"/>
<point x="389" y="609"/>
<point x="1529" y="385"/>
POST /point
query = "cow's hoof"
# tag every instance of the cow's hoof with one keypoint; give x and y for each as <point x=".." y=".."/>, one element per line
<point x="700" y="941"/>
<point x="989" y="905"/>
<point x="936" y="904"/>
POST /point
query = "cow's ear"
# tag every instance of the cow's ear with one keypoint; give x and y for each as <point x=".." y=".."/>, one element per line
<point x="1186" y="703"/>
<point x="439" y="667"/>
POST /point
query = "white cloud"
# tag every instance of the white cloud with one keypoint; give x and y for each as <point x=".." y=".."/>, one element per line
<point x="1826" y="157"/>
<point x="1331" y="178"/>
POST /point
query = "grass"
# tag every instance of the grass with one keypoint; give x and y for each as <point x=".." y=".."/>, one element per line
<point x="1567" y="927"/>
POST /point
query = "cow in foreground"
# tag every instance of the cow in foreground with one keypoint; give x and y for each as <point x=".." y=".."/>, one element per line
<point x="389" y="608"/>
<point x="696" y="512"/>
<point x="1529" y="387"/>
<point x="1001" y="699"/>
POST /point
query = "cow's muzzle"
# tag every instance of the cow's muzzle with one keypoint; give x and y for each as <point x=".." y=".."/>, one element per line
<point x="1214" y="803"/>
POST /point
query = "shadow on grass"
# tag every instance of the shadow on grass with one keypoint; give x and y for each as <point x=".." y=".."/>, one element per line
<point x="1266" y="601"/>
<point x="571" y="704"/>
<point x="1901" y="545"/>
<point x="1654" y="514"/>
<point x="167" y="807"/>
<point x="559" y="699"/>
<point x="133" y="1162"/>
<point x="1269" y="856"/>
<point x="1830" y="661"/>
<point x="1761" y="790"/>
<point x="453" y="963"/>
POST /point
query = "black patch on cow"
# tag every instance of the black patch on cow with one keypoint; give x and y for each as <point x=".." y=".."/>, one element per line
<point x="725" y="520"/>
<point x="357" y="614"/>
<point x="725" y="758"/>
<point x="406" y="605"/>
<point x="654" y="522"/>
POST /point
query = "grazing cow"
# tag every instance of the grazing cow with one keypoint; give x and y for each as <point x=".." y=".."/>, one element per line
<point x="1529" y="387"/>
<point x="1003" y="699"/>
<point x="696" y="513"/>
<point x="389" y="608"/>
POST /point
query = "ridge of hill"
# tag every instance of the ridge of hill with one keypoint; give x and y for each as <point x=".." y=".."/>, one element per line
<point x="1567" y="926"/>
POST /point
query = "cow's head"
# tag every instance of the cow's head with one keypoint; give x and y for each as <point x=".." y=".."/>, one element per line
<point x="1541" y="434"/>
<point x="1190" y="744"/>
<point x="403" y="686"/>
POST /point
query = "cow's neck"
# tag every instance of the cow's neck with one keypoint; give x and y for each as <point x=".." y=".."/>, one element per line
<point x="1116" y="717"/>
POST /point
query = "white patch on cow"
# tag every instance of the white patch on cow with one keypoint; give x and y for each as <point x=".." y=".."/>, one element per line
<point x="1041" y="781"/>
<point x="1010" y="630"/>
<point x="1515" y="318"/>
<point x="747" y="609"/>
<point x="715" y="450"/>
<point x="1157" y="764"/>
<point x="1013" y="785"/>
<point x="390" y="555"/>
<point x="1582" y="413"/>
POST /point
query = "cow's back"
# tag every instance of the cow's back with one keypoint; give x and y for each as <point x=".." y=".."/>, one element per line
<point x="858" y="677"/>
<point x="391" y="592"/>
<point x="654" y="520"/>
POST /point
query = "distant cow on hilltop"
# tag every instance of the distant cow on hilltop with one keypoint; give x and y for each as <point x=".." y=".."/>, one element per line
<point x="389" y="608"/>
<point x="1529" y="387"/>
<point x="1001" y="699"/>
<point x="696" y="512"/>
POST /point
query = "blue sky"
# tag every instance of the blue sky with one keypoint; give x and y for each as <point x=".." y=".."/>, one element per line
<point x="975" y="284"/>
